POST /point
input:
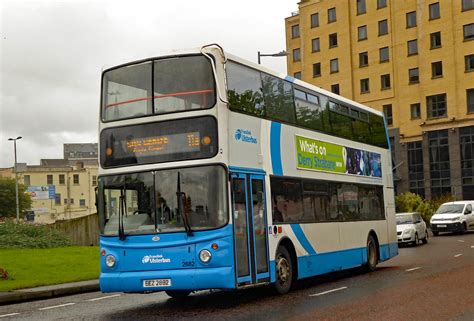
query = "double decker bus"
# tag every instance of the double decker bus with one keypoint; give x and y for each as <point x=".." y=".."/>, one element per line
<point x="217" y="173"/>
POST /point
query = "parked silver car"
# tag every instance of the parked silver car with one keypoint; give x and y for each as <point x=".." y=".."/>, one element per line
<point x="411" y="229"/>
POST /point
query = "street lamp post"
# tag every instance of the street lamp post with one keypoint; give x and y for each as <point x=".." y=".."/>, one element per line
<point x="282" y="53"/>
<point x="16" y="180"/>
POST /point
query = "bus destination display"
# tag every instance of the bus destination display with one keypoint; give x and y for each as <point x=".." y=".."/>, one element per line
<point x="166" y="144"/>
<point x="165" y="141"/>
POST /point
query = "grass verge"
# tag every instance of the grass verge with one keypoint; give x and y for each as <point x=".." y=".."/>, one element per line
<point x="28" y="268"/>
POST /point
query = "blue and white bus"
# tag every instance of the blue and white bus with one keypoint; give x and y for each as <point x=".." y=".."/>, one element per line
<point x="217" y="173"/>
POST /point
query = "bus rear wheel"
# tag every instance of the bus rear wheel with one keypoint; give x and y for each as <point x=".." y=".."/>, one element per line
<point x="284" y="270"/>
<point x="175" y="294"/>
<point x="372" y="259"/>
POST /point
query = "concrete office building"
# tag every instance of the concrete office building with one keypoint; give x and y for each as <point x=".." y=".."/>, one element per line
<point x="411" y="59"/>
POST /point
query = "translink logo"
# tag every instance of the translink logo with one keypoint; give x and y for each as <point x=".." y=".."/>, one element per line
<point x="245" y="136"/>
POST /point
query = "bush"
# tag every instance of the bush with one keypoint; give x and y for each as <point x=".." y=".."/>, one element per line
<point x="408" y="202"/>
<point x="14" y="235"/>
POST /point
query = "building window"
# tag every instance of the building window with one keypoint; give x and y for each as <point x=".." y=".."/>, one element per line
<point x="385" y="81"/>
<point x="71" y="201"/>
<point x="387" y="110"/>
<point x="362" y="33"/>
<point x="415" y="111"/>
<point x="333" y="40"/>
<point x="413" y="76"/>
<point x="470" y="100"/>
<point x="363" y="59"/>
<point x="49" y="179"/>
<point x="384" y="55"/>
<point x="383" y="27"/>
<point x="296" y="54"/>
<point x="82" y="202"/>
<point x="364" y="86"/>
<point x="334" y="65"/>
<point x="361" y="7"/>
<point x="469" y="60"/>
<point x="315" y="20"/>
<point x="335" y="89"/>
<point x="411" y="19"/>
<point x="468" y="32"/>
<point x="436" y="106"/>
<point x="466" y="142"/>
<point x="295" y="31"/>
<point x="331" y="15"/>
<point x="94" y="178"/>
<point x="435" y="40"/>
<point x="297" y="75"/>
<point x="437" y="69"/>
<point x="61" y="179"/>
<point x="75" y="179"/>
<point x="315" y="45"/>
<point x="415" y="168"/>
<point x="26" y="180"/>
<point x="317" y="69"/>
<point x="439" y="163"/>
<point x="381" y="4"/>
<point x="412" y="47"/>
<point x="434" y="11"/>
<point x="467" y="5"/>
<point x="57" y="199"/>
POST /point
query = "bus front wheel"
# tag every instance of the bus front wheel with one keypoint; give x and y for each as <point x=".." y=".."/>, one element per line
<point x="284" y="270"/>
<point x="372" y="259"/>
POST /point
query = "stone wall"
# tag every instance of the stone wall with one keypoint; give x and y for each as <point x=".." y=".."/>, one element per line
<point x="82" y="231"/>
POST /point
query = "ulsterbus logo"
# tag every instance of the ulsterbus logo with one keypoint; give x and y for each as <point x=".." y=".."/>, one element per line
<point x="245" y="136"/>
<point x="155" y="259"/>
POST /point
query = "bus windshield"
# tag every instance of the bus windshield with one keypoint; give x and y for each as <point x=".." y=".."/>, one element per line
<point x="158" y="87"/>
<point x="163" y="201"/>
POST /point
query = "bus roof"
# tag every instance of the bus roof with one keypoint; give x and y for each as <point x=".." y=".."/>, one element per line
<point x="253" y="65"/>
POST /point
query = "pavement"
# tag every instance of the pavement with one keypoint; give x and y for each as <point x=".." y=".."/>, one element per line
<point x="47" y="292"/>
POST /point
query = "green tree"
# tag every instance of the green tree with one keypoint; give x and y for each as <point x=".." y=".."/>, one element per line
<point x="7" y="198"/>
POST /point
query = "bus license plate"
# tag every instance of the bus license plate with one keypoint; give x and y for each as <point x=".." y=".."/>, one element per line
<point x="442" y="225"/>
<point x="156" y="283"/>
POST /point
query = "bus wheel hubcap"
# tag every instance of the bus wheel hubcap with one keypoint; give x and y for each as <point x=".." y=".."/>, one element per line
<point x="283" y="269"/>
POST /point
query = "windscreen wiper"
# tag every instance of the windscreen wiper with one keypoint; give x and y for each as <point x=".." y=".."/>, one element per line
<point x="180" y="195"/>
<point x="122" y="208"/>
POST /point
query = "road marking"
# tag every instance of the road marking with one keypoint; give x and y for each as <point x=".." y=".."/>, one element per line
<point x="329" y="291"/>
<point x="413" y="269"/>
<point x="57" y="306"/>
<point x="8" y="315"/>
<point x="458" y="255"/>
<point x="462" y="241"/>
<point x="104" y="297"/>
<point x="472" y="246"/>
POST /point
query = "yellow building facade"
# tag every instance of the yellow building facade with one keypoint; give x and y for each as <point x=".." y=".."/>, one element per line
<point x="411" y="59"/>
<point x="60" y="192"/>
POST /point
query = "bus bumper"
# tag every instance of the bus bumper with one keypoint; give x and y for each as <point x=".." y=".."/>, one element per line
<point x="184" y="279"/>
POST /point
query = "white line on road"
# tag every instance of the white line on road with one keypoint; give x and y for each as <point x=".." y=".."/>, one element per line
<point x="8" y="315"/>
<point x="330" y="291"/>
<point x="462" y="241"/>
<point x="458" y="255"/>
<point x="472" y="246"/>
<point x="104" y="297"/>
<point x="413" y="269"/>
<point x="57" y="306"/>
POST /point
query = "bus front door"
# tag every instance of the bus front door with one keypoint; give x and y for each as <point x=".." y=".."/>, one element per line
<point x="248" y="204"/>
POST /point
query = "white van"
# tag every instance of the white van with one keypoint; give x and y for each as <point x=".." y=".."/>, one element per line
<point x="453" y="217"/>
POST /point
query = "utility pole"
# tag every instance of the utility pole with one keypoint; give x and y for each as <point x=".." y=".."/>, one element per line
<point x="16" y="180"/>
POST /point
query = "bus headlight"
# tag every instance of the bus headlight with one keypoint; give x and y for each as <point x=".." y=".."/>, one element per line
<point x="110" y="261"/>
<point x="205" y="256"/>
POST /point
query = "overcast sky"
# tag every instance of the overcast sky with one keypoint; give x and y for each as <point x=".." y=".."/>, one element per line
<point x="52" y="54"/>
